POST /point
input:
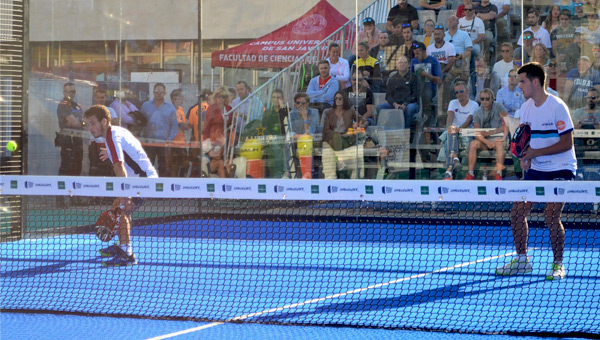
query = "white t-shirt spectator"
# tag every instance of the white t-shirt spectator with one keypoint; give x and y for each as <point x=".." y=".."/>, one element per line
<point x="541" y="36"/>
<point x="502" y="68"/>
<point x="474" y="27"/>
<point x="461" y="113"/>
<point x="443" y="53"/>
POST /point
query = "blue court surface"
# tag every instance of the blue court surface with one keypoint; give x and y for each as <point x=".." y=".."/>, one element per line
<point x="436" y="278"/>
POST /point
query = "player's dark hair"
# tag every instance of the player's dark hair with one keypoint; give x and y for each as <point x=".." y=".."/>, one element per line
<point x="533" y="71"/>
<point x="99" y="112"/>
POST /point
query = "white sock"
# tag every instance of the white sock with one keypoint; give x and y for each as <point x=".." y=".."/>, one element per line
<point x="472" y="173"/>
<point x="522" y="258"/>
<point x="127" y="248"/>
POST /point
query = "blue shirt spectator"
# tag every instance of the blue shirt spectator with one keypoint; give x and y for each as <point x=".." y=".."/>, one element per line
<point x="323" y="87"/>
<point x="162" y="121"/>
<point x="430" y="66"/>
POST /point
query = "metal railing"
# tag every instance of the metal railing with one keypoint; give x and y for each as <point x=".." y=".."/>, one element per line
<point x="291" y="79"/>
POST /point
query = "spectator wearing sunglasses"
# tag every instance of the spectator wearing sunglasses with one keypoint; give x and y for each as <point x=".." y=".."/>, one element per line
<point x="504" y="65"/>
<point x="474" y="26"/>
<point x="403" y="12"/>
<point x="527" y="48"/>
<point x="463" y="47"/>
<point x="488" y="116"/>
<point x="369" y="33"/>
<point x="580" y="17"/>
<point x="406" y="49"/>
<point x="588" y="117"/>
<point x="540" y="34"/>
<point x="444" y="52"/>
<point x="579" y="81"/>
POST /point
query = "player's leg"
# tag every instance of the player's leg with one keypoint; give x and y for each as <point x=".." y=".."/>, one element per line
<point x="518" y="221"/>
<point x="552" y="214"/>
<point x="124" y="254"/>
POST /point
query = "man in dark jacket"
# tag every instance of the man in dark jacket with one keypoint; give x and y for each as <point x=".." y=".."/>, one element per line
<point x="402" y="92"/>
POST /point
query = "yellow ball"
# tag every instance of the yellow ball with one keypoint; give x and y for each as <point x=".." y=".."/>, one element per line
<point x="305" y="145"/>
<point x="252" y="149"/>
<point x="11" y="146"/>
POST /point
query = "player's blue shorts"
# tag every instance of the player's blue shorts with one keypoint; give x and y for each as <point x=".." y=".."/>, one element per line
<point x="560" y="175"/>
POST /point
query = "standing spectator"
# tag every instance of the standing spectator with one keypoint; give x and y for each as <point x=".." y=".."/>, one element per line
<point x="504" y="66"/>
<point x="488" y="13"/>
<point x="561" y="37"/>
<point x="338" y="66"/>
<point x="475" y="27"/>
<point x="322" y="88"/>
<point x="482" y="78"/>
<point x="213" y="133"/>
<point x="429" y="73"/>
<point x="369" y="33"/>
<point x="460" y="116"/>
<point x="579" y="81"/>
<point x="361" y="98"/>
<point x="463" y="47"/>
<point x="378" y="52"/>
<point x="178" y="157"/>
<point x="68" y="139"/>
<point x="99" y="167"/>
<point x="404" y="13"/>
<point x="402" y="92"/>
<point x="552" y="20"/>
<point x="427" y="37"/>
<point x="488" y="116"/>
<point x="124" y="110"/>
<point x="540" y="34"/>
<point x="444" y="52"/>
<point x="162" y="128"/>
<point x="250" y="110"/>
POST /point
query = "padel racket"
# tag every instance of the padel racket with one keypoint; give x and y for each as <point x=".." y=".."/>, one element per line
<point x="520" y="141"/>
<point x="107" y="224"/>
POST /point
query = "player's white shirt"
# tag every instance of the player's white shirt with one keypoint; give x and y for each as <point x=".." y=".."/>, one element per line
<point x="123" y="146"/>
<point x="548" y="122"/>
<point x="462" y="113"/>
<point x="443" y="53"/>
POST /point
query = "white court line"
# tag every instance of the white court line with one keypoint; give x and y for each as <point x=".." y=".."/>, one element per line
<point x="329" y="297"/>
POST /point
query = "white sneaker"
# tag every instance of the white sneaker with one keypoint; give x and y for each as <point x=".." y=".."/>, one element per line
<point x="556" y="272"/>
<point x="515" y="267"/>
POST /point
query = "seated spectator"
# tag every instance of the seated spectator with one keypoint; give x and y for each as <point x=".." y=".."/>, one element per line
<point x="588" y="117"/>
<point x="250" y="110"/>
<point x="338" y="66"/>
<point x="322" y="88"/>
<point x="402" y="12"/>
<point x="378" y="52"/>
<point x="580" y="47"/>
<point x="579" y="18"/>
<point x="162" y="127"/>
<point x="213" y="133"/>
<point x="427" y="37"/>
<point x="592" y="27"/>
<point x="460" y="116"/>
<point x="463" y="47"/>
<point x="338" y="121"/>
<point x="178" y="157"/>
<point x="596" y="54"/>
<point x="579" y="81"/>
<point x="304" y="120"/>
<point x="369" y="33"/>
<point x="552" y="20"/>
<point x="483" y="78"/>
<point x="527" y="48"/>
<point x="368" y="67"/>
<point x="505" y="65"/>
<point x="392" y="49"/>
<point x="361" y="98"/>
<point x="568" y="5"/>
<point x="436" y="5"/>
<point x="487" y="12"/>
<point x="503" y="20"/>
<point x="406" y="49"/>
<point x="488" y="116"/>
<point x="402" y="92"/>
<point x="555" y="79"/>
<point x="540" y="34"/>
<point x="460" y="10"/>
<point x="562" y="37"/>
<point x="541" y="55"/>
<point x="511" y="97"/>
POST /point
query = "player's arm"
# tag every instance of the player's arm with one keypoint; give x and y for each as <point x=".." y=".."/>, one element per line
<point x="119" y="169"/>
<point x="564" y="144"/>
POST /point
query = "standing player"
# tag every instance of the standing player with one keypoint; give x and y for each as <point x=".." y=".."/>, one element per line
<point x="551" y="156"/>
<point x="129" y="160"/>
